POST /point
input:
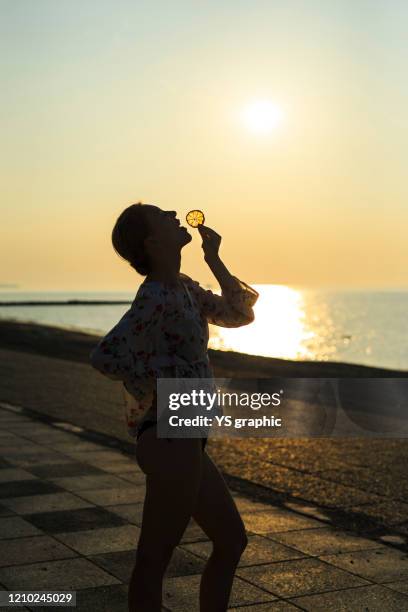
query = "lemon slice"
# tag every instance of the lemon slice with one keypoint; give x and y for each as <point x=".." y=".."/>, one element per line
<point x="195" y="218"/>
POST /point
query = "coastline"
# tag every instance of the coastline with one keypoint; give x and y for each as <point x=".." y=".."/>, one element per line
<point x="73" y="345"/>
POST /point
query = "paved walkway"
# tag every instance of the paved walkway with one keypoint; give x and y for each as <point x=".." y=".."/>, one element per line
<point x="70" y="514"/>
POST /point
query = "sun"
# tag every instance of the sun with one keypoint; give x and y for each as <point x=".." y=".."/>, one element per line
<point x="262" y="116"/>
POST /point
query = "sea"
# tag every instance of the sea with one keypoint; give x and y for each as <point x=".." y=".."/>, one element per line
<point x="364" y="327"/>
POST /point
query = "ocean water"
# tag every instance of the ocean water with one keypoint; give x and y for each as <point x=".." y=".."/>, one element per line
<point x="353" y="326"/>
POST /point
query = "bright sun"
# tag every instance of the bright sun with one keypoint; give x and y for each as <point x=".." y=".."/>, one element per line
<point x="262" y="116"/>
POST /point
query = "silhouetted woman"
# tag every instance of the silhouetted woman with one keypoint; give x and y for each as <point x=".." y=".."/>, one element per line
<point x="165" y="334"/>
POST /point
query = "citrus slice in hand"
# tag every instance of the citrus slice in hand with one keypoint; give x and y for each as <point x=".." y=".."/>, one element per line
<point x="195" y="218"/>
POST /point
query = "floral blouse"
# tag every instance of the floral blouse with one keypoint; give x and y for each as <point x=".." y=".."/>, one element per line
<point x="165" y="334"/>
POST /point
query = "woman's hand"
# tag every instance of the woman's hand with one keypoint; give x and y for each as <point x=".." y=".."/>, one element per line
<point x="211" y="242"/>
<point x="210" y="246"/>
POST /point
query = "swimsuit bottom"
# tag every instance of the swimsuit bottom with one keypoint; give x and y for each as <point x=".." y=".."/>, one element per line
<point x="149" y="423"/>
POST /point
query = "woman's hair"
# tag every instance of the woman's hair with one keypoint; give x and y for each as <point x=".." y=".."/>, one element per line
<point x="128" y="237"/>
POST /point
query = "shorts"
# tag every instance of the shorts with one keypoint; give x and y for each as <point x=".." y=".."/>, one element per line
<point x="148" y="423"/>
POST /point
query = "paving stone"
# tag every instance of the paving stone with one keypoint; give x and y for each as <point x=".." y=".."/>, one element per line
<point x="4" y="464"/>
<point x="324" y="541"/>
<point x="111" y="497"/>
<point x="22" y="488"/>
<point x="121" y="564"/>
<point x="276" y="520"/>
<point x="23" y="450"/>
<point x="137" y="478"/>
<point x="95" y="541"/>
<point x="276" y="606"/>
<point x="3" y="424"/>
<point x="193" y="533"/>
<point x="259" y="550"/>
<point x="5" y="511"/>
<point x="78" y="445"/>
<point x="23" y="432"/>
<point x="68" y="574"/>
<point x="362" y="599"/>
<point x="248" y="505"/>
<point x="48" y="437"/>
<point x="16" y="526"/>
<point x="53" y="438"/>
<point x="18" y="429"/>
<point x="100" y="481"/>
<point x="130" y="512"/>
<point x="74" y="520"/>
<point x="401" y="586"/>
<point x="55" y="470"/>
<point x="103" y="599"/>
<point x="45" y="503"/>
<point x="5" y="435"/>
<point x="184" y="563"/>
<point x="9" y="439"/>
<point x="35" y="427"/>
<point x="9" y="413"/>
<point x="14" y="474"/>
<point x="21" y="551"/>
<point x="13" y="419"/>
<point x="298" y="577"/>
<point x="383" y="564"/>
<point x="115" y="467"/>
<point x="180" y="594"/>
<point x="95" y="457"/>
<point x="44" y="458"/>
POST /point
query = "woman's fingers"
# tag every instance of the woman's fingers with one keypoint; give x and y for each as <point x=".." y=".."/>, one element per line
<point x="208" y="230"/>
<point x="211" y="241"/>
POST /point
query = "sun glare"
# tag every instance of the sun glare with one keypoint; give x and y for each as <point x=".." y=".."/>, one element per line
<point x="278" y="330"/>
<point x="262" y="116"/>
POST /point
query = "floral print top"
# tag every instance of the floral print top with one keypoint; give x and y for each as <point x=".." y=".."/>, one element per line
<point x="165" y="334"/>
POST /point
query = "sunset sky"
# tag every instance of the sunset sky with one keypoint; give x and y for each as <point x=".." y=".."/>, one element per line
<point x="108" y="102"/>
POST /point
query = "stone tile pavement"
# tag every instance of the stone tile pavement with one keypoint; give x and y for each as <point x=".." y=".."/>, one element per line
<point x="70" y="516"/>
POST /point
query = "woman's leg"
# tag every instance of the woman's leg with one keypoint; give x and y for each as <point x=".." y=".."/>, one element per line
<point x="173" y="475"/>
<point x="217" y="515"/>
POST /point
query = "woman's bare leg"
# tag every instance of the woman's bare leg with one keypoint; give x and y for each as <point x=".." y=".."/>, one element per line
<point x="217" y="515"/>
<point x="173" y="475"/>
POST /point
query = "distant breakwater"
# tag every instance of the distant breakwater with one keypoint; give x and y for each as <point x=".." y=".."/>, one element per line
<point x="69" y="303"/>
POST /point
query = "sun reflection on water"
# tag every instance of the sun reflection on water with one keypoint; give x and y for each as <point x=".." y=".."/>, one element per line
<point x="279" y="328"/>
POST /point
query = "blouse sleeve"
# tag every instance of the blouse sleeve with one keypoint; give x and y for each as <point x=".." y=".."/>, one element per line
<point x="233" y="308"/>
<point x="127" y="351"/>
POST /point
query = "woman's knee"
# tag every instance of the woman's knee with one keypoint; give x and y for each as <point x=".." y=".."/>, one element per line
<point x="231" y="545"/>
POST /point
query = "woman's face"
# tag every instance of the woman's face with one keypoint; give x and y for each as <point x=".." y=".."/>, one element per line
<point x="165" y="227"/>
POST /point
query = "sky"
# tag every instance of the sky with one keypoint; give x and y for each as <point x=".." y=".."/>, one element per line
<point x="109" y="102"/>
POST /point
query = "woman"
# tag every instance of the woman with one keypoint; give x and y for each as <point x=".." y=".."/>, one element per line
<point x="165" y="334"/>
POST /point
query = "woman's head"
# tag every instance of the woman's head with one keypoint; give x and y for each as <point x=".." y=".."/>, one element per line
<point x="144" y="234"/>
